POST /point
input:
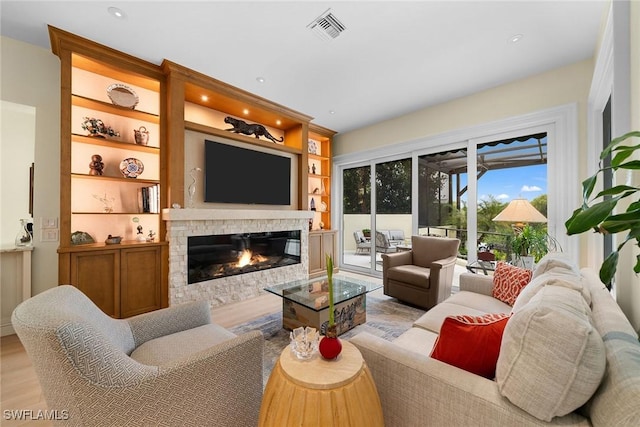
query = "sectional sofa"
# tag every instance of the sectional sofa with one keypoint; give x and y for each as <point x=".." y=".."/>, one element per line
<point x="567" y="356"/>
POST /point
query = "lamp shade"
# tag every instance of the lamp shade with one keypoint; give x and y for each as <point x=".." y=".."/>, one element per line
<point x="520" y="211"/>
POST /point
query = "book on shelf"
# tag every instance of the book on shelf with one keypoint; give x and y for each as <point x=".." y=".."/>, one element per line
<point x="149" y="199"/>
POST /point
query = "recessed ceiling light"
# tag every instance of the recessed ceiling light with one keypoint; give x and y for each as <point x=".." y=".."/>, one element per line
<point x="205" y="98"/>
<point x="261" y="79"/>
<point x="515" y="38"/>
<point x="331" y="112"/>
<point x="116" y="13"/>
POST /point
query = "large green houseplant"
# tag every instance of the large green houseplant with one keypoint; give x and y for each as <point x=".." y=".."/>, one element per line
<point x="530" y="241"/>
<point x="600" y="214"/>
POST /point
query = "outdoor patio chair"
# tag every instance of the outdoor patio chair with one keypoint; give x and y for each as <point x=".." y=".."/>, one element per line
<point x="362" y="244"/>
<point x="383" y="245"/>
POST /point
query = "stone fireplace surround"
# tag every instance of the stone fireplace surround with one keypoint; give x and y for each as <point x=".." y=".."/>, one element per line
<point x="183" y="223"/>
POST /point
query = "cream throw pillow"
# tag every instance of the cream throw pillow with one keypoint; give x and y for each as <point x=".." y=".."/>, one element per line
<point x="551" y="358"/>
<point x="563" y="278"/>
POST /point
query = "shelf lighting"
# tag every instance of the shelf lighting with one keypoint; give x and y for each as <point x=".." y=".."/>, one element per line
<point x="205" y="98"/>
<point x="245" y="112"/>
<point x="278" y="122"/>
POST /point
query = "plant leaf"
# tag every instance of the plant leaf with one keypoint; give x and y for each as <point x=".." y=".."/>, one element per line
<point x="587" y="187"/>
<point x="585" y="219"/>
<point x="607" y="151"/>
<point x="633" y="164"/>
<point x="624" y="151"/>
<point x="616" y="190"/>
<point x="608" y="269"/>
<point x="628" y="220"/>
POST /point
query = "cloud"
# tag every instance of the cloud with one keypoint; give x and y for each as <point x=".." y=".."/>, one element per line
<point x="530" y="188"/>
<point x="502" y="196"/>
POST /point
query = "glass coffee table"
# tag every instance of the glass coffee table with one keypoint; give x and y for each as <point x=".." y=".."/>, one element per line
<point x="306" y="302"/>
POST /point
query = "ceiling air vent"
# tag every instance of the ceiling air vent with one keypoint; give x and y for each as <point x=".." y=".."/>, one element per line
<point x="327" y="26"/>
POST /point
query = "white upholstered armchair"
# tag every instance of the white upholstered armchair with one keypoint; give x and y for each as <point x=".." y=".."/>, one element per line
<point x="168" y="367"/>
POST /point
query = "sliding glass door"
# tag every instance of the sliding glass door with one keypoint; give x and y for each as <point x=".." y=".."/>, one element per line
<point x="356" y="218"/>
<point x="368" y="233"/>
<point x="442" y="186"/>
<point x="393" y="222"/>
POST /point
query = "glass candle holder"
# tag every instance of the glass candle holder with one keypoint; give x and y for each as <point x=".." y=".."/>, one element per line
<point x="304" y="342"/>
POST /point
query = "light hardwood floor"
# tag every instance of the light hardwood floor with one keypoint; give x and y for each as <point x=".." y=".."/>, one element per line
<point x="19" y="386"/>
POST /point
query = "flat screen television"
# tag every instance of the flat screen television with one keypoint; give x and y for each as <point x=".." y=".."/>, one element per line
<point x="239" y="175"/>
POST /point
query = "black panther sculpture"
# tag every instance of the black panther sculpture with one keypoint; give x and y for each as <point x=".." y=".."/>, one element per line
<point x="250" y="129"/>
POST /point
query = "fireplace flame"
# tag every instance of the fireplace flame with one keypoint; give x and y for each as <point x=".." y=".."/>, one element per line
<point x="247" y="258"/>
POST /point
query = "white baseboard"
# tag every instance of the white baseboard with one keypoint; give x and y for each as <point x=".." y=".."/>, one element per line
<point x="7" y="329"/>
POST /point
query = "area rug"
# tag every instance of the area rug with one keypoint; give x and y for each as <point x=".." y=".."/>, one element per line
<point x="386" y="318"/>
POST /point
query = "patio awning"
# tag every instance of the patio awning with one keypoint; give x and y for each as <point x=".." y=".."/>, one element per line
<point x="503" y="154"/>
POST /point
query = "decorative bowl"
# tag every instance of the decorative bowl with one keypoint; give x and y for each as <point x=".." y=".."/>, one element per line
<point x="113" y="240"/>
<point x="131" y="167"/>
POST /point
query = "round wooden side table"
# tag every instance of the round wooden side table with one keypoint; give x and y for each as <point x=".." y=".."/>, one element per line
<point x="321" y="393"/>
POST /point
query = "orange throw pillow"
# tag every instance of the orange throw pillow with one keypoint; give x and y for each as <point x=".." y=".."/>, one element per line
<point x="508" y="282"/>
<point x="471" y="343"/>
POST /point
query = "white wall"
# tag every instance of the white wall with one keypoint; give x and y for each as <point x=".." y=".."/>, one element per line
<point x="17" y="147"/>
<point x="30" y="75"/>
<point x="554" y="88"/>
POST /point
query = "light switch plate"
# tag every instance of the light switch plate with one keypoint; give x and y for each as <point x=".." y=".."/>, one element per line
<point x="49" y="235"/>
<point x="48" y="223"/>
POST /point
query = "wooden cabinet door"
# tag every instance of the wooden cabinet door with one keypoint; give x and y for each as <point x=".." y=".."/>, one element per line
<point x="97" y="275"/>
<point x="322" y="243"/>
<point x="140" y="283"/>
<point x="329" y="245"/>
<point x="316" y="256"/>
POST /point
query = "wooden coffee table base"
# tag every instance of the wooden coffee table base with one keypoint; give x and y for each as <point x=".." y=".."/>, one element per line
<point x="348" y="314"/>
<point x="321" y="393"/>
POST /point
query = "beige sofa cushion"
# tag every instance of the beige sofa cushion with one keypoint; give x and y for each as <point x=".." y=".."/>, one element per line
<point x="551" y="359"/>
<point x="165" y="349"/>
<point x="459" y="304"/>
<point x="564" y="278"/>
<point x="556" y="261"/>
<point x="412" y="274"/>
<point x="417" y="340"/>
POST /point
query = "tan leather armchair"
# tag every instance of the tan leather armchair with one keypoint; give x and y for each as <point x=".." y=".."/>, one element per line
<point x="422" y="276"/>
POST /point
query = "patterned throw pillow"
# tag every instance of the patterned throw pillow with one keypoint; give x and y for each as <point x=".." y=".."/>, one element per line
<point x="471" y="343"/>
<point x="508" y="281"/>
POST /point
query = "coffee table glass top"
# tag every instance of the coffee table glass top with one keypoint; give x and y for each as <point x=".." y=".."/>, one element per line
<point x="314" y="293"/>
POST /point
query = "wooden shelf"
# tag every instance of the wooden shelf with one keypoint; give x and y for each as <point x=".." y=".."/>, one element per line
<point x="115" y="178"/>
<point x="197" y="127"/>
<point x="102" y="246"/>
<point x="317" y="157"/>
<point x="104" y="69"/>
<point x="81" y="101"/>
<point x="113" y="213"/>
<point x="106" y="142"/>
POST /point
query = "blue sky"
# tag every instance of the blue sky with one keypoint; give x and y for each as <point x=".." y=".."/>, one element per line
<point x="526" y="182"/>
<point x="507" y="184"/>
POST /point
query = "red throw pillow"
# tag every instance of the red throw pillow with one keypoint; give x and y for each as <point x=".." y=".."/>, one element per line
<point x="471" y="343"/>
<point x="508" y="282"/>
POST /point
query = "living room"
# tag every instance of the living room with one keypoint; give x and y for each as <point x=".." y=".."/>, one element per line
<point x="568" y="85"/>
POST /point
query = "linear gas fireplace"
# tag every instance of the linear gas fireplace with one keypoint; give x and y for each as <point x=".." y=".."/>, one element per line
<point x="221" y="255"/>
